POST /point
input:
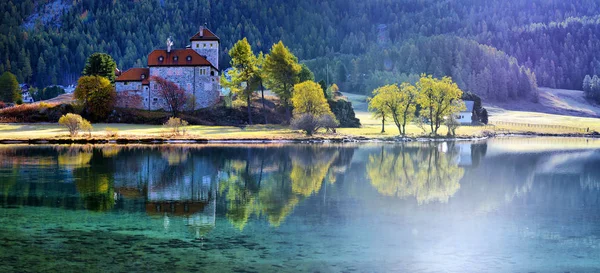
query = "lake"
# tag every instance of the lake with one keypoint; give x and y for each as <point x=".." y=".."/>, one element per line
<point x="502" y="205"/>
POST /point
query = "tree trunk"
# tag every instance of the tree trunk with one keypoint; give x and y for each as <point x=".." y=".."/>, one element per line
<point x="383" y="125"/>
<point x="262" y="91"/>
<point x="249" y="102"/>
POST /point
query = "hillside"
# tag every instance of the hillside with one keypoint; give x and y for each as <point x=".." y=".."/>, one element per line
<point x="357" y="44"/>
<point x="555" y="101"/>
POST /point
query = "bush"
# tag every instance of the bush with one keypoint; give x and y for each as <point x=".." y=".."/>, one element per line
<point x="111" y="132"/>
<point x="86" y="126"/>
<point x="75" y="123"/>
<point x="329" y="122"/>
<point x="2" y="105"/>
<point x="177" y="126"/>
<point x="310" y="123"/>
<point x="452" y="125"/>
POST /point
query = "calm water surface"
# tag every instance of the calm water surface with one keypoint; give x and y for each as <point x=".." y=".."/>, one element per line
<point x="505" y="205"/>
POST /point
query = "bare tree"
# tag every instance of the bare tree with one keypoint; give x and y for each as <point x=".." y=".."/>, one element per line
<point x="174" y="97"/>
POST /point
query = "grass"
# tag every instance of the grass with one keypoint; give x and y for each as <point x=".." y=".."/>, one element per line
<point x="544" y="124"/>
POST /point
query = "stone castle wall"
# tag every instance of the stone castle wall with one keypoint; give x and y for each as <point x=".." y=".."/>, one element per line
<point x="204" y="88"/>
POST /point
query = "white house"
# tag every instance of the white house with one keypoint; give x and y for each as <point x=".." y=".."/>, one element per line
<point x="464" y="117"/>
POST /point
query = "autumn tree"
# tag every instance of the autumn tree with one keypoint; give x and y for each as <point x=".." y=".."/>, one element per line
<point x="242" y="75"/>
<point x="97" y="96"/>
<point x="308" y="98"/>
<point x="399" y="103"/>
<point x="100" y="64"/>
<point x="172" y="95"/>
<point x="438" y="99"/>
<point x="282" y="70"/>
<point x="9" y="88"/>
<point x="311" y="110"/>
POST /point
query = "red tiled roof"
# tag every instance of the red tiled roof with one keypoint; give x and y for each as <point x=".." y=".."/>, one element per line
<point x="134" y="74"/>
<point x="208" y="36"/>
<point x="177" y="57"/>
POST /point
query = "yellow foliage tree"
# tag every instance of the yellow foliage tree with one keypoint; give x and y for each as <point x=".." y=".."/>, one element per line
<point x="308" y="98"/>
<point x="439" y="99"/>
<point x="97" y="95"/>
<point x="397" y="102"/>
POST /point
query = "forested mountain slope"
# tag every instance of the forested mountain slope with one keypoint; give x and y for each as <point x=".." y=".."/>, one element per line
<point x="556" y="39"/>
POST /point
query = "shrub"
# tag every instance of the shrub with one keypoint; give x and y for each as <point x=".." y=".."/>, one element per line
<point x="86" y="126"/>
<point x="329" y="122"/>
<point x="111" y="132"/>
<point x="44" y="105"/>
<point x="452" y="125"/>
<point x="75" y="123"/>
<point x="2" y="105"/>
<point x="310" y="123"/>
<point x="177" y="126"/>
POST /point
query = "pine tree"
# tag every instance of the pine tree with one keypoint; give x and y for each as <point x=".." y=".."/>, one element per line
<point x="587" y="85"/>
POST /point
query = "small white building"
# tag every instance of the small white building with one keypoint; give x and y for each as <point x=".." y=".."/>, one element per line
<point x="465" y="116"/>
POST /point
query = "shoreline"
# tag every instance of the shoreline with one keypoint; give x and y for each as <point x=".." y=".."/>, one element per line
<point x="340" y="139"/>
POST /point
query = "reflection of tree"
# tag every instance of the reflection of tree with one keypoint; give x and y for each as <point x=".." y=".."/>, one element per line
<point x="236" y="184"/>
<point x="425" y="173"/>
<point x="175" y="155"/>
<point x="273" y="182"/>
<point x="75" y="157"/>
<point x="110" y="150"/>
<point x="95" y="183"/>
<point x="309" y="168"/>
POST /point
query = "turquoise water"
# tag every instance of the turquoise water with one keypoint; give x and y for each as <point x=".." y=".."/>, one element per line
<point x="506" y="205"/>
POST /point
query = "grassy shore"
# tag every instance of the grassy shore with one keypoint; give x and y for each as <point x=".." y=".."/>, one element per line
<point x="371" y="129"/>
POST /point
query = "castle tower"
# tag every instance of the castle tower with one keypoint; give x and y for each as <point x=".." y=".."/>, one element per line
<point x="206" y="43"/>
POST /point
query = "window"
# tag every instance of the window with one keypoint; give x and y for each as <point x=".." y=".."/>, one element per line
<point x="161" y="58"/>
<point x="143" y="76"/>
<point x="211" y="45"/>
<point x="155" y="99"/>
<point x="189" y="58"/>
<point x="212" y="73"/>
<point x="175" y="58"/>
<point x="197" y="45"/>
<point x="125" y="83"/>
<point x="204" y="45"/>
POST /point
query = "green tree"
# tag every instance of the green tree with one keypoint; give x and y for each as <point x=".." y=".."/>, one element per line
<point x="9" y="88"/>
<point x="100" y="64"/>
<point x="282" y="70"/>
<point x="438" y="99"/>
<point x="305" y="74"/>
<point x="244" y="70"/>
<point x="97" y="96"/>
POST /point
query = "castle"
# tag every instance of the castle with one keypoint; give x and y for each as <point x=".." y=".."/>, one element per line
<point x="195" y="69"/>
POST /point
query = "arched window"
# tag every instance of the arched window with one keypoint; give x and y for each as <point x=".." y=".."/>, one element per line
<point x="189" y="58"/>
<point x="175" y="58"/>
<point x="161" y="59"/>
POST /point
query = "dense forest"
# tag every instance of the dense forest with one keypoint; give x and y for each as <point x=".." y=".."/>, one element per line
<point x="357" y="44"/>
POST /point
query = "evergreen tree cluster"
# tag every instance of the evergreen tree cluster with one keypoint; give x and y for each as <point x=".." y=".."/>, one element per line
<point x="591" y="87"/>
<point x="556" y="39"/>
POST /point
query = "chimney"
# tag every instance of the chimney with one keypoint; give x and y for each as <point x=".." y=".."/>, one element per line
<point x="201" y="32"/>
<point x="169" y="44"/>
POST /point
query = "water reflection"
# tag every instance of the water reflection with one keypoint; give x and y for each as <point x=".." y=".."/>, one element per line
<point x="195" y="185"/>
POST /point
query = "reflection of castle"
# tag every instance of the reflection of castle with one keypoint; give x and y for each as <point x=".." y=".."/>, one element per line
<point x="195" y="200"/>
<point x="186" y="189"/>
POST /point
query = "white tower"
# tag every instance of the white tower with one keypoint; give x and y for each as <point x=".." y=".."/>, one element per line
<point x="206" y="43"/>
